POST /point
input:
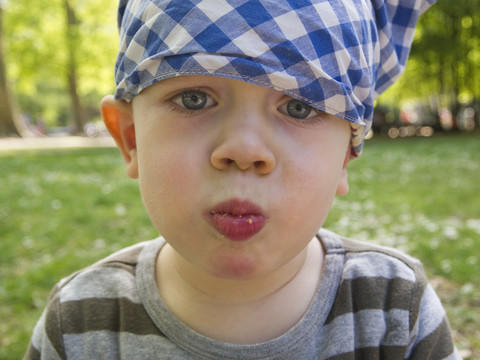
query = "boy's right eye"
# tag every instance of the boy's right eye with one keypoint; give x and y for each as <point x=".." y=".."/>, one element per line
<point x="298" y="109"/>
<point x="193" y="100"/>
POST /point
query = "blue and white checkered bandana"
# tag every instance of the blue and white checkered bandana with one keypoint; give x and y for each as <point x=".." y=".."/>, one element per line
<point x="335" y="55"/>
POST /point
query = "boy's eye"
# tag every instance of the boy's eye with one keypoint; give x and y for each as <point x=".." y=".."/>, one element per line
<point x="194" y="100"/>
<point x="298" y="109"/>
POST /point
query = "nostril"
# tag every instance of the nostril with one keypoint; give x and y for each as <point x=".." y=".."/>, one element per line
<point x="223" y="158"/>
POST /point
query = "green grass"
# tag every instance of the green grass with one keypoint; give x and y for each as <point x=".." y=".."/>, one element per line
<point x="421" y="195"/>
<point x="61" y="210"/>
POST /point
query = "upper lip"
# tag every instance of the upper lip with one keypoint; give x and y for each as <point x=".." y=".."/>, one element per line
<point x="237" y="207"/>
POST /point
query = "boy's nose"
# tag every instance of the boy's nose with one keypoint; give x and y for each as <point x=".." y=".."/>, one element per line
<point x="244" y="144"/>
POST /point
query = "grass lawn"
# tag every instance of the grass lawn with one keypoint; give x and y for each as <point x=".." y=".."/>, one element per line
<point x="61" y="210"/>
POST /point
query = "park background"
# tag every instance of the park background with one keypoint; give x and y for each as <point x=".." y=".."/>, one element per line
<point x="61" y="208"/>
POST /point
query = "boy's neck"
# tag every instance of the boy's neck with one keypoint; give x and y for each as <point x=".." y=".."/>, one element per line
<point x="240" y="311"/>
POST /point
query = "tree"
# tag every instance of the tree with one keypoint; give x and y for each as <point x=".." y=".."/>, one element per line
<point x="60" y="63"/>
<point x="445" y="57"/>
<point x="10" y="121"/>
<point x="6" y="112"/>
<point x="72" y="41"/>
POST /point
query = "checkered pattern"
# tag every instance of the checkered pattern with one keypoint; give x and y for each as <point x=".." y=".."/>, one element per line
<point x="336" y="55"/>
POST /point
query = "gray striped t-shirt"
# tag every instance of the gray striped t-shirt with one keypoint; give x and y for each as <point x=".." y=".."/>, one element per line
<point x="372" y="303"/>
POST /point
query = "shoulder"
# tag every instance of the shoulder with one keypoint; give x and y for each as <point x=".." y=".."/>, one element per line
<point x="113" y="276"/>
<point x="364" y="259"/>
<point x="387" y="277"/>
<point x="93" y="306"/>
<point x="385" y="289"/>
<point x="379" y="278"/>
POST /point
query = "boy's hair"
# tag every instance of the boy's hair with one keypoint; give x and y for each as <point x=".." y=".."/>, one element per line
<point x="335" y="55"/>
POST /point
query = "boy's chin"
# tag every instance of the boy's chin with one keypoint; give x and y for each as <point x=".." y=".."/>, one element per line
<point x="236" y="266"/>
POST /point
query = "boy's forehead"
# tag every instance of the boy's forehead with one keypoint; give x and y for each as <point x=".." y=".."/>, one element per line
<point x="335" y="55"/>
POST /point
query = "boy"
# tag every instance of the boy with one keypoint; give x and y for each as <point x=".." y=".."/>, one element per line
<point x="239" y="119"/>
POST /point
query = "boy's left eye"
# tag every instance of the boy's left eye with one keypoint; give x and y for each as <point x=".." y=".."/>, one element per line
<point x="298" y="109"/>
<point x="193" y="100"/>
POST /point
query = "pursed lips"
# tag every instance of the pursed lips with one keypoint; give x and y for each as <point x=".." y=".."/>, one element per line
<point x="237" y="220"/>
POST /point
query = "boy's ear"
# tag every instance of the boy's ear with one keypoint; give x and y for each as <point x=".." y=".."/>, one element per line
<point x="118" y="118"/>
<point x="342" y="186"/>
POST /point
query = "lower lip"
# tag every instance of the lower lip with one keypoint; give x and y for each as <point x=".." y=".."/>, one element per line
<point x="237" y="225"/>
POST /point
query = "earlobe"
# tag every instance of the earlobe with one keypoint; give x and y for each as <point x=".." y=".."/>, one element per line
<point x="118" y="118"/>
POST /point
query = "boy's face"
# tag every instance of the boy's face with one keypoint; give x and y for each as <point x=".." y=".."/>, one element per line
<point x="238" y="178"/>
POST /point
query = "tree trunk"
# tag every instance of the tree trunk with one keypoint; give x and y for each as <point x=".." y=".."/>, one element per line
<point x="72" y="74"/>
<point x="11" y="123"/>
<point x="456" y="63"/>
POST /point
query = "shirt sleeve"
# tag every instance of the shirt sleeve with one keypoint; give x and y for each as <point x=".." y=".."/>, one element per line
<point x="430" y="336"/>
<point x="47" y="340"/>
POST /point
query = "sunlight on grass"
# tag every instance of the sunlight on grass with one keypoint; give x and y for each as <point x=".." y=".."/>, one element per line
<point x="421" y="197"/>
<point x="63" y="210"/>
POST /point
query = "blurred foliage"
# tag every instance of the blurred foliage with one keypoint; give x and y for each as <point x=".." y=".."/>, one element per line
<point x="444" y="66"/>
<point x="37" y="54"/>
